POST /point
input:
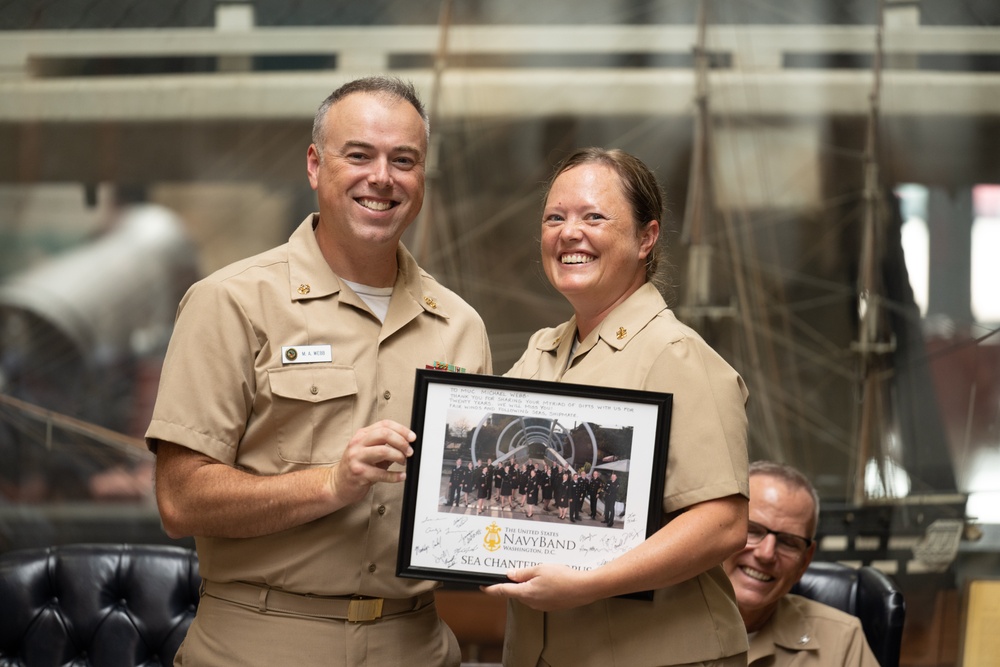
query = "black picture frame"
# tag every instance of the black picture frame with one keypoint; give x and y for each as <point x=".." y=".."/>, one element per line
<point x="513" y="419"/>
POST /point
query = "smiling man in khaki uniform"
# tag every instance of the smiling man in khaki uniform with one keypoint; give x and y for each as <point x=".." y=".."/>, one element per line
<point x="788" y="630"/>
<point x="279" y="427"/>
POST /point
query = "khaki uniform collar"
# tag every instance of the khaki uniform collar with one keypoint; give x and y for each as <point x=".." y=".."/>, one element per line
<point x="414" y="292"/>
<point x="630" y="317"/>
<point x="310" y="277"/>
<point x="617" y="329"/>
<point x="558" y="342"/>
<point x="550" y="339"/>
<point x="788" y="628"/>
<point x="422" y="288"/>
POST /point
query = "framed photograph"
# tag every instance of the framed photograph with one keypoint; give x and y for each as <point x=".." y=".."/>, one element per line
<point x="509" y="473"/>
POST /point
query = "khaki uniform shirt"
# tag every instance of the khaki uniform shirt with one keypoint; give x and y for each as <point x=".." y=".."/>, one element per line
<point x="641" y="345"/>
<point x="806" y="633"/>
<point x="226" y="391"/>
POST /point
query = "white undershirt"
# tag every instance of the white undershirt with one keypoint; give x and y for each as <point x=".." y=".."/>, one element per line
<point x="572" y="350"/>
<point x="376" y="298"/>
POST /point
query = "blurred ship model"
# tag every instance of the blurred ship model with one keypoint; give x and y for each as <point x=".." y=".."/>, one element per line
<point x="855" y="405"/>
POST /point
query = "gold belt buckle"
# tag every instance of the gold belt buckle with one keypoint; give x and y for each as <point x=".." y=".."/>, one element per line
<point x="361" y="610"/>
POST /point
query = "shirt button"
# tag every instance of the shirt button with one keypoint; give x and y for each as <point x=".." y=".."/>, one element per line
<point x="314" y="390"/>
<point x="381" y="509"/>
<point x="387" y="394"/>
<point x="371" y="567"/>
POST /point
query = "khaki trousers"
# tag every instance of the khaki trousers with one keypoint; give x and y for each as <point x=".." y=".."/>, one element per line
<point x="225" y="633"/>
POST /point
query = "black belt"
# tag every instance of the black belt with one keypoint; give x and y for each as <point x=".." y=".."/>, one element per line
<point x="355" y="609"/>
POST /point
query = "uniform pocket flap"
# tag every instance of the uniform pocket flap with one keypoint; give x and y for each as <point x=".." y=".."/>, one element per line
<point x="312" y="384"/>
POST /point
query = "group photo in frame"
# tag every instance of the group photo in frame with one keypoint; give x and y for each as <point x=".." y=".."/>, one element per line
<point x="510" y="473"/>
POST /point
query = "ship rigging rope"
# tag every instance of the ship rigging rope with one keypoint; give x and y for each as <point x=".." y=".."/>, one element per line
<point x="134" y="447"/>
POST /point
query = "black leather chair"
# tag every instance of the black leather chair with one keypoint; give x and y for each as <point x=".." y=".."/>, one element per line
<point x="863" y="592"/>
<point x="115" y="605"/>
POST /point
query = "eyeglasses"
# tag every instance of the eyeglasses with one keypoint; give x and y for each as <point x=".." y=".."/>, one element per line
<point x="786" y="543"/>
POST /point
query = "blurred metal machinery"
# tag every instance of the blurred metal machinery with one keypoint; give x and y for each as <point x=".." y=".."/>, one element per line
<point x="81" y="339"/>
<point x="110" y="299"/>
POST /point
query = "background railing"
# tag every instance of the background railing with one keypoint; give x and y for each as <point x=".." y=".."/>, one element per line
<point x="517" y="70"/>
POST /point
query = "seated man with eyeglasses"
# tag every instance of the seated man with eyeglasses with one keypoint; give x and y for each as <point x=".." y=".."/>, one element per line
<point x="786" y="629"/>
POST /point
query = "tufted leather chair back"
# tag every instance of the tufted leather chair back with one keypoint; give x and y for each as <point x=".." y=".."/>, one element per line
<point x="110" y="605"/>
<point x="863" y="592"/>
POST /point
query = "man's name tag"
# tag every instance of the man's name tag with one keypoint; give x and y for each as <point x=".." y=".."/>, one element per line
<point x="306" y="354"/>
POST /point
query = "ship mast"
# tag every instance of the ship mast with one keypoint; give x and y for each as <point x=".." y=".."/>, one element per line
<point x="699" y="207"/>
<point x="705" y="301"/>
<point x="422" y="227"/>
<point x="875" y="342"/>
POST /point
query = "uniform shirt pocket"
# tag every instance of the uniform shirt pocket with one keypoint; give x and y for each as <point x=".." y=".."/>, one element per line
<point x="314" y="410"/>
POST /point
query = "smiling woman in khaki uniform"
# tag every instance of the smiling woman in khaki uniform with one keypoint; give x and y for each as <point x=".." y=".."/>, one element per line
<point x="599" y="232"/>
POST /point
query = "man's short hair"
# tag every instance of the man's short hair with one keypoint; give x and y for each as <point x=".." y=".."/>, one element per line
<point x="391" y="87"/>
<point x="792" y="477"/>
